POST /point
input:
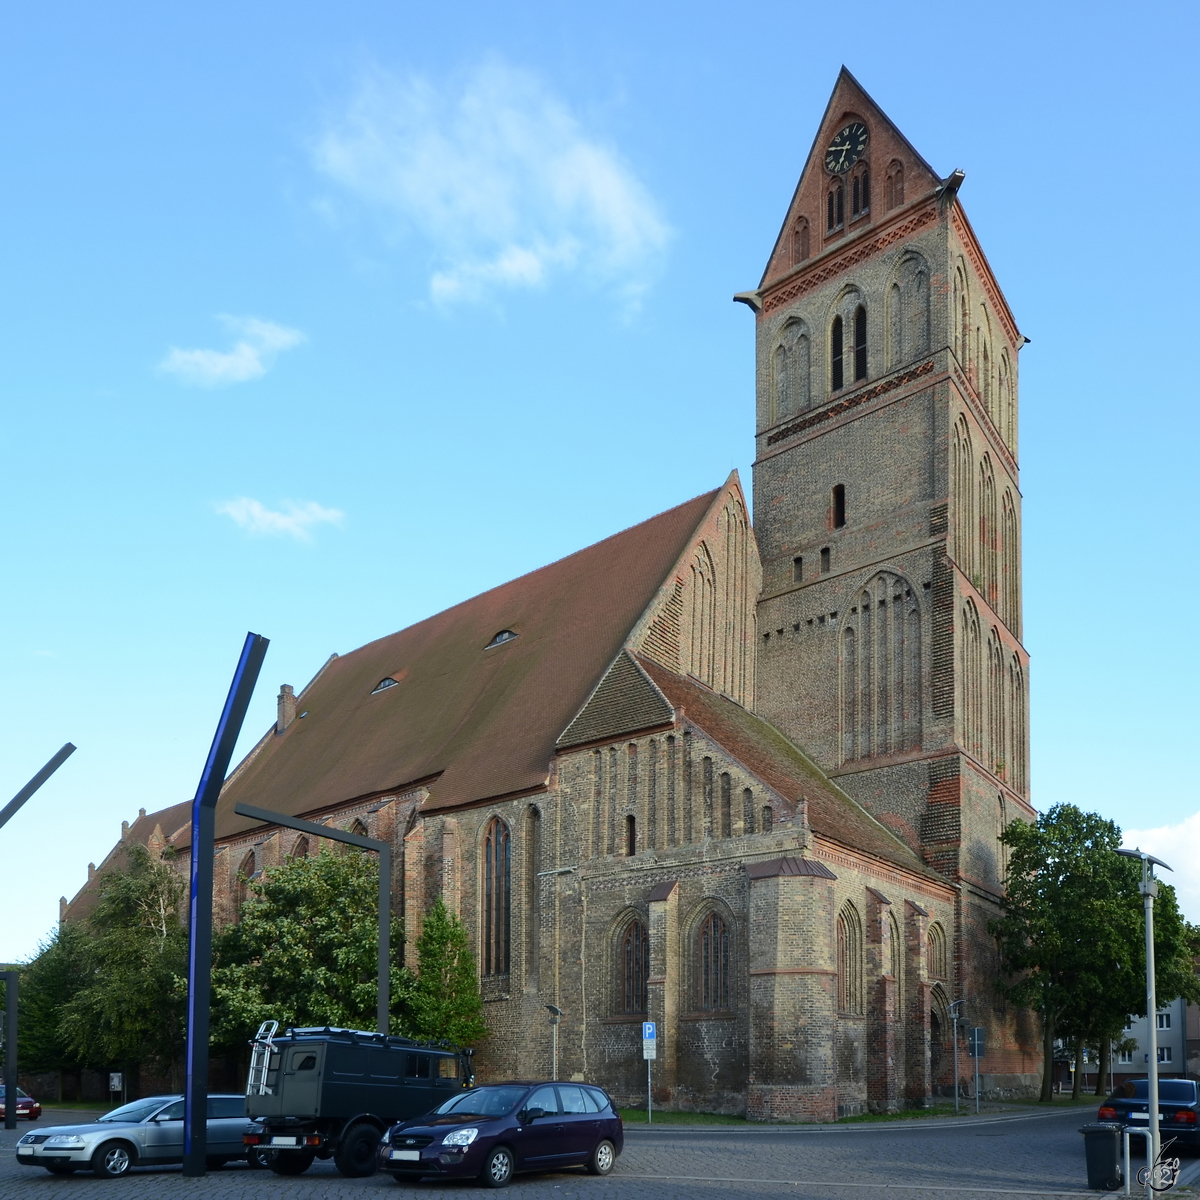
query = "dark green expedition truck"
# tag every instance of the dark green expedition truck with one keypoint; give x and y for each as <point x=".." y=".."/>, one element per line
<point x="333" y="1093"/>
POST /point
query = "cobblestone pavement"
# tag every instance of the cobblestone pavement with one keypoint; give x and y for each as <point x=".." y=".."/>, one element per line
<point x="967" y="1158"/>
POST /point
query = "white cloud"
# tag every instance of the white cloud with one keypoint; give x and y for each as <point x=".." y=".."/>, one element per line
<point x="295" y="519"/>
<point x="499" y="177"/>
<point x="1178" y="845"/>
<point x="253" y="354"/>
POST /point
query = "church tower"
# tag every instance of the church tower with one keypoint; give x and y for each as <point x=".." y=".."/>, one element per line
<point x="888" y="512"/>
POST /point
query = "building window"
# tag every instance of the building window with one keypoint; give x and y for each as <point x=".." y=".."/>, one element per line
<point x="300" y="849"/>
<point x="713" y="953"/>
<point x="849" y="961"/>
<point x="630" y="835"/>
<point x="726" y="805"/>
<point x="1164" y="1054"/>
<point x="505" y="635"/>
<point x="860" y="343"/>
<point x="1164" y="1020"/>
<point x="635" y="967"/>
<point x="798" y="570"/>
<point x="860" y="195"/>
<point x="836" y="355"/>
<point x="895" y="184"/>
<point x="768" y="817"/>
<point x="825" y="560"/>
<point x="839" y="505"/>
<point x="936" y="940"/>
<point x="497" y="874"/>
<point x="1128" y="1024"/>
<point x="799" y="241"/>
<point x="1125" y="1056"/>
<point x="835" y="208"/>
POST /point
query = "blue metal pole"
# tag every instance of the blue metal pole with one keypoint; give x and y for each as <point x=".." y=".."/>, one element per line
<point x="195" y="1130"/>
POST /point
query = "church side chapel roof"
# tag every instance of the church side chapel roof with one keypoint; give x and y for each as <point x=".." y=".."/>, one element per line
<point x="768" y="754"/>
<point x="470" y="714"/>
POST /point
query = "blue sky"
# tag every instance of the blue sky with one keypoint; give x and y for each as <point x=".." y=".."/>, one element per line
<point x="320" y="318"/>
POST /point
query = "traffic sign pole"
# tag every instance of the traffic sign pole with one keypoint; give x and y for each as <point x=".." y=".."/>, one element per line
<point x="649" y="1053"/>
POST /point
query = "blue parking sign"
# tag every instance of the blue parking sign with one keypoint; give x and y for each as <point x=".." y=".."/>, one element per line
<point x="648" y="1031"/>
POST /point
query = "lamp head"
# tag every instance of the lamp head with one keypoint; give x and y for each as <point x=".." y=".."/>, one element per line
<point x="1142" y="856"/>
<point x="555" y="1011"/>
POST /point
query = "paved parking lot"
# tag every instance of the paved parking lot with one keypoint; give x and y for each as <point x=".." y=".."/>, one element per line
<point x="1013" y="1154"/>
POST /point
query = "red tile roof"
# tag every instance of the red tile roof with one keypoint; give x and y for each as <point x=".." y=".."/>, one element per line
<point x="476" y="722"/>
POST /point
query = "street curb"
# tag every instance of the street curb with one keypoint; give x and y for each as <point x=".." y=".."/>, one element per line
<point x="864" y="1127"/>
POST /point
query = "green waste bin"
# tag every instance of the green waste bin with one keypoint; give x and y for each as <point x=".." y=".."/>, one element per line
<point x="1102" y="1146"/>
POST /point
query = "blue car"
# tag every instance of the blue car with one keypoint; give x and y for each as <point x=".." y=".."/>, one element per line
<point x="492" y="1132"/>
<point x="1177" y="1109"/>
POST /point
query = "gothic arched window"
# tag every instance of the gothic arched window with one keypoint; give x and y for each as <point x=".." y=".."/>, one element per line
<point x="860" y="343"/>
<point x="895" y="183"/>
<point x="836" y="355"/>
<point x="713" y="955"/>
<point x="799" y="241"/>
<point x="300" y="849"/>
<point x="497" y="876"/>
<point x="835" y="208"/>
<point x="849" y="960"/>
<point x="860" y="194"/>
<point x="634" y="949"/>
<point x="936" y="945"/>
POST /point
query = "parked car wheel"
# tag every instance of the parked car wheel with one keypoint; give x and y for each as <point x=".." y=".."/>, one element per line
<point x="61" y="1168"/>
<point x="112" y="1160"/>
<point x="290" y="1162"/>
<point x="355" y="1155"/>
<point x="259" y="1156"/>
<point x="497" y="1168"/>
<point x="603" y="1157"/>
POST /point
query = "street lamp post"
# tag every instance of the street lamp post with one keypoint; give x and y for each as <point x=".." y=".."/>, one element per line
<point x="1149" y="889"/>
<point x="955" y="1017"/>
<point x="555" y="1016"/>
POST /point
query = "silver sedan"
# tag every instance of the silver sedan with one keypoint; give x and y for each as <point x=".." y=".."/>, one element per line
<point x="142" y="1133"/>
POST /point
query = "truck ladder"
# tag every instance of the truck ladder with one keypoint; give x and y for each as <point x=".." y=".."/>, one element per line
<point x="260" y="1060"/>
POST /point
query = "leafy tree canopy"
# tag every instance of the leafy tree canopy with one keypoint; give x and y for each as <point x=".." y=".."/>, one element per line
<point x="51" y="979"/>
<point x="130" y="1007"/>
<point x="1072" y="936"/>
<point x="445" y="1000"/>
<point x="305" y="951"/>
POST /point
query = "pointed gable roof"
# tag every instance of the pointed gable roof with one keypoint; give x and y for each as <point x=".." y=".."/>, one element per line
<point x="468" y="721"/>
<point x="849" y="100"/>
<point x="765" y="752"/>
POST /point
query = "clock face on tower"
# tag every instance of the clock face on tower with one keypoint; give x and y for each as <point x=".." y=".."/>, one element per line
<point x="846" y="148"/>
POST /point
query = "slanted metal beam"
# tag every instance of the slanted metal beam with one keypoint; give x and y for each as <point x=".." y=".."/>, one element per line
<point x="10" y="809"/>
<point x="384" y="849"/>
<point x="195" y="1115"/>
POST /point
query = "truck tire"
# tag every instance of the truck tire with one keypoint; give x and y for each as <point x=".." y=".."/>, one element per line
<point x="356" y="1152"/>
<point x="290" y="1162"/>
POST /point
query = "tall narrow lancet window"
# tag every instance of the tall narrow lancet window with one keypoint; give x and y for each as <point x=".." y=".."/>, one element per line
<point x="799" y="241"/>
<point x="835" y="208"/>
<point x="836" y="355"/>
<point x="838" y="505"/>
<point x="849" y="960"/>
<point x="713" y="954"/>
<point x="630" y="835"/>
<point x="635" y="967"/>
<point x="936" y="946"/>
<point x="300" y="849"/>
<point x="860" y="343"/>
<point x="497" y="876"/>
<point x="895" y="184"/>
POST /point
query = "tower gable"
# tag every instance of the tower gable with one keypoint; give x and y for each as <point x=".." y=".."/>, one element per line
<point x="896" y="176"/>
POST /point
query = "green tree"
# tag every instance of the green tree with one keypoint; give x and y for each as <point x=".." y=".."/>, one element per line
<point x="1072" y="936"/>
<point x="130" y="1007"/>
<point x="305" y="951"/>
<point x="49" y="981"/>
<point x="445" y="1000"/>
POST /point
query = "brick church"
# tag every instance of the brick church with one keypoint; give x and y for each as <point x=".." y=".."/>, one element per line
<point x="746" y="781"/>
